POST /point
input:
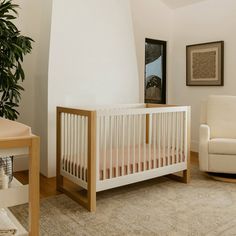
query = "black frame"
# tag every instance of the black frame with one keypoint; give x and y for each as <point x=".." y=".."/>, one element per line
<point x="222" y="64"/>
<point x="163" y="91"/>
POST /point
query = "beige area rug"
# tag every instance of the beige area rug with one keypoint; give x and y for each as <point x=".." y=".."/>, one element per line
<point x="156" y="207"/>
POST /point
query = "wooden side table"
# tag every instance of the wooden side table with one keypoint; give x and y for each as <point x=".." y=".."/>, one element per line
<point x="18" y="194"/>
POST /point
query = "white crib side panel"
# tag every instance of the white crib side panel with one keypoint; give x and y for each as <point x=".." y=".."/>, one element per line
<point x="126" y="148"/>
<point x="74" y="148"/>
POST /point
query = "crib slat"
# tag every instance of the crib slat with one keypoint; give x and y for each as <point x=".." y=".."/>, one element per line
<point x="164" y="138"/>
<point x="117" y="146"/>
<point x="65" y="140"/>
<point x="134" y="143"/>
<point x="62" y="139"/>
<point x="86" y="148"/>
<point x="185" y="136"/>
<point x="68" y="144"/>
<point x="154" y="128"/>
<point x="139" y="143"/>
<point x="128" y="141"/>
<point x="123" y="146"/>
<point x="149" y="143"/>
<point x="168" y="136"/>
<point x="104" y="148"/>
<point x="79" y="167"/>
<point x="111" y="143"/>
<point x="98" y="131"/>
<point x="173" y="136"/>
<point x="101" y="144"/>
<point x="144" y="143"/>
<point x="76" y="147"/>
<point x="72" y="143"/>
<point x="177" y="137"/>
<point x="84" y="143"/>
<point x="159" y="139"/>
<point x="81" y="147"/>
<point x="181" y="136"/>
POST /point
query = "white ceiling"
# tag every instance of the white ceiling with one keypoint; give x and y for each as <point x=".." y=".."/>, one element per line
<point x="180" y="3"/>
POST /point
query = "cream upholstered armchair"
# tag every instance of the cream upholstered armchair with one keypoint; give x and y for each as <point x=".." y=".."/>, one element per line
<point x="217" y="142"/>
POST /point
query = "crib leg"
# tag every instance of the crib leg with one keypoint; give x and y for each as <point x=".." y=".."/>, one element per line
<point x="185" y="178"/>
<point x="91" y="200"/>
<point x="59" y="182"/>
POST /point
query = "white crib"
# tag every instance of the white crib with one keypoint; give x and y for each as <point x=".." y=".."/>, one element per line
<point x="104" y="148"/>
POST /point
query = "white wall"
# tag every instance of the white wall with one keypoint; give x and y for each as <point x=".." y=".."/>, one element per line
<point x="92" y="59"/>
<point x="34" y="21"/>
<point x="41" y="80"/>
<point x="207" y="21"/>
<point x="151" y="19"/>
<point x="28" y="22"/>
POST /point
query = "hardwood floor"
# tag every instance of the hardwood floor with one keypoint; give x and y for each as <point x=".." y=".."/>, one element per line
<point x="48" y="185"/>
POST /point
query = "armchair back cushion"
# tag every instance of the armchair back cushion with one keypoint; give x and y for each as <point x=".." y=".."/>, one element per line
<point x="221" y="116"/>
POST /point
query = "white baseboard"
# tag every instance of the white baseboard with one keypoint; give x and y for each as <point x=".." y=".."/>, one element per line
<point x="21" y="163"/>
<point x="194" y="146"/>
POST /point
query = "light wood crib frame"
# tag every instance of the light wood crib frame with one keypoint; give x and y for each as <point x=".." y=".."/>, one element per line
<point x="104" y="148"/>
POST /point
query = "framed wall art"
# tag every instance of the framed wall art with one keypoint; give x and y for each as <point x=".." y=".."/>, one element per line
<point x="205" y="64"/>
<point x="155" y="71"/>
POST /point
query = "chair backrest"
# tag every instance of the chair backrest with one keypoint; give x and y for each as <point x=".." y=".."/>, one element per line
<point x="221" y="116"/>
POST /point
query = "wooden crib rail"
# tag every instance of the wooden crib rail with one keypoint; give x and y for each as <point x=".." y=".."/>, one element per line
<point x="90" y="200"/>
<point x="152" y="105"/>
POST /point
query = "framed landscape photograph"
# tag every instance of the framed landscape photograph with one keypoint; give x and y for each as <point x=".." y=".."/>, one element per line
<point x="155" y="71"/>
<point x="205" y="64"/>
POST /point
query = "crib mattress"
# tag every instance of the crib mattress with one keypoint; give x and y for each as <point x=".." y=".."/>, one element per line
<point x="118" y="162"/>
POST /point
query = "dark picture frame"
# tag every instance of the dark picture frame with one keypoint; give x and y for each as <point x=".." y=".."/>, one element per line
<point x="155" y="71"/>
<point x="205" y="64"/>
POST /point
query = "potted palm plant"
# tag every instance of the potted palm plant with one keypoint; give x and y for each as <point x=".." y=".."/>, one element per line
<point x="13" y="48"/>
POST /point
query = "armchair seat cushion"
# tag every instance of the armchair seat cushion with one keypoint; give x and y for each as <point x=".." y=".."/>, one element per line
<point x="225" y="146"/>
<point x="12" y="129"/>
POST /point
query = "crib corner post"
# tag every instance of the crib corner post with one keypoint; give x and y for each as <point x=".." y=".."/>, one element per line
<point x="92" y="162"/>
<point x="59" y="177"/>
<point x="186" y="173"/>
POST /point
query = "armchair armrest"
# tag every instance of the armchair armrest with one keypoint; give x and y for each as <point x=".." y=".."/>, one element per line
<point x="204" y="137"/>
<point x="204" y="133"/>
